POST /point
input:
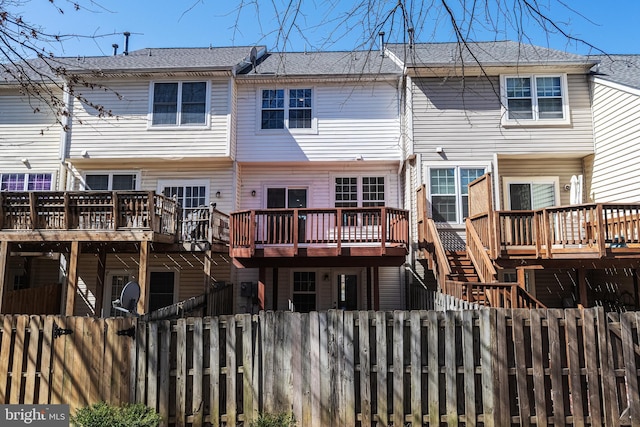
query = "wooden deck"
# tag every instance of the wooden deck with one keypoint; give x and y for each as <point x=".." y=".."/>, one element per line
<point x="324" y="235"/>
<point x="588" y="231"/>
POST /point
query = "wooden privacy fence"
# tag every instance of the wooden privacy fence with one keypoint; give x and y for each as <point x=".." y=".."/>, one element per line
<point x="491" y="367"/>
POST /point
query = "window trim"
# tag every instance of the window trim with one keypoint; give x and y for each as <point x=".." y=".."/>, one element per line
<point x="535" y="121"/>
<point x="508" y="180"/>
<point x="111" y="173"/>
<point x="286" y="129"/>
<point x="178" y="125"/>
<point x="457" y="167"/>
<point x="26" y="181"/>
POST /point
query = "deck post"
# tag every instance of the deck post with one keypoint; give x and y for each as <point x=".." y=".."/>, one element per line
<point x="274" y="283"/>
<point x="100" y="277"/>
<point x="72" y="278"/>
<point x="262" y="279"/>
<point x="4" y="259"/>
<point x="376" y="288"/>
<point x="582" y="288"/>
<point x="143" y="277"/>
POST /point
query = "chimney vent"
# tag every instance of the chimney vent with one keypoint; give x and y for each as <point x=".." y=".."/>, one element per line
<point x="381" y="35"/>
<point x="115" y="49"/>
<point x="126" y="43"/>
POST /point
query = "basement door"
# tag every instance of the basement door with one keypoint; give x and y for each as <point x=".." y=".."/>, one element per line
<point x="347" y="291"/>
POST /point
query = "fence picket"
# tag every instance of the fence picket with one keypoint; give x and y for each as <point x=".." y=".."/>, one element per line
<point x="520" y="353"/>
<point x="538" y="368"/>
<point x="197" y="400"/>
<point x="325" y="371"/>
<point x="348" y="372"/>
<point x="32" y="356"/>
<point x="398" y="368"/>
<point x="433" y="339"/>
<point x="557" y="393"/>
<point x="469" y="368"/>
<point x="181" y="373"/>
<point x="381" y="368"/>
<point x="416" y="368"/>
<point x="487" y="326"/>
<point x="18" y="354"/>
<point x="573" y="359"/>
<point x="248" y="396"/>
<point x="44" y="394"/>
<point x="5" y="354"/>
<point x="591" y="364"/>
<point x="365" y="367"/>
<point x="609" y="399"/>
<point x="627" y="324"/>
<point x="214" y="372"/>
<point x="152" y="366"/>
<point x="231" y="371"/>
<point x="450" y="368"/>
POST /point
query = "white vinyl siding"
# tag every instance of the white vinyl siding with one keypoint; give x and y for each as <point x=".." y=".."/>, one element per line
<point x="616" y="115"/>
<point x="25" y="135"/>
<point x="127" y="134"/>
<point x="353" y="122"/>
<point x="465" y="120"/>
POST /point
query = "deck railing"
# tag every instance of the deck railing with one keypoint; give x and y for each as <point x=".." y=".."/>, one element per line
<point x="567" y="230"/>
<point x="88" y="210"/>
<point x="495" y="295"/>
<point x="380" y="226"/>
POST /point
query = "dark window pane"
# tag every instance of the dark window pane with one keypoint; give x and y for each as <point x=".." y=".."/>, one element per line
<point x="39" y="182"/>
<point x="161" y="290"/>
<point x="520" y="195"/>
<point x="444" y="208"/>
<point x="124" y="182"/>
<point x="193" y="103"/>
<point x="273" y="119"/>
<point x="276" y="198"/>
<point x="97" y="182"/>
<point x="165" y="103"/>
<point x="300" y="119"/>
<point x="550" y="108"/>
<point x="520" y="109"/>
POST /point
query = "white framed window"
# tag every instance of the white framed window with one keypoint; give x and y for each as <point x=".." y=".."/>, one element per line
<point x="449" y="191"/>
<point x="26" y="181"/>
<point x="529" y="193"/>
<point x="286" y="108"/>
<point x="355" y="191"/>
<point x="535" y="99"/>
<point x="304" y="296"/>
<point x="178" y="104"/>
<point x="111" y="181"/>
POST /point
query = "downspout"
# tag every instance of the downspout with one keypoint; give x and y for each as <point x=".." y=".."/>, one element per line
<point x="65" y="138"/>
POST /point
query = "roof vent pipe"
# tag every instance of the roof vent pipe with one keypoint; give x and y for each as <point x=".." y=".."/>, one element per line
<point x="115" y="49"/>
<point x="126" y="43"/>
<point x="381" y="35"/>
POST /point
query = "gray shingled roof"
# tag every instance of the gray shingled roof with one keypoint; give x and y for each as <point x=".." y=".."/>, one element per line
<point x="148" y="60"/>
<point x="623" y="69"/>
<point x="215" y="58"/>
<point x="324" y="63"/>
<point x="495" y="53"/>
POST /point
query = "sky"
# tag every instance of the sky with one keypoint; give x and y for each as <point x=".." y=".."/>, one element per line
<point x="611" y="27"/>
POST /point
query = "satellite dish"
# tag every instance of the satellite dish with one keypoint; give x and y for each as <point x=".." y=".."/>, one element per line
<point x="253" y="57"/>
<point x="129" y="297"/>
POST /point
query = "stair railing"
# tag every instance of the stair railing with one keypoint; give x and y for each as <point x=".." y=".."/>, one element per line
<point x="479" y="256"/>
<point x="438" y="261"/>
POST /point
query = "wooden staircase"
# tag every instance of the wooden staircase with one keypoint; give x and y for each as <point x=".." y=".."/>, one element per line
<point x="462" y="269"/>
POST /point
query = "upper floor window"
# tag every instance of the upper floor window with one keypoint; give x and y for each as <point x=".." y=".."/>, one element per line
<point x="179" y="104"/>
<point x="110" y="181"/>
<point x="25" y="181"/>
<point x="286" y="108"/>
<point x="535" y="99"/>
<point x="450" y="192"/>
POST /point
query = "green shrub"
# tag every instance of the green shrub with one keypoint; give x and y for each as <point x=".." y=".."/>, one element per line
<point x="102" y="414"/>
<point x="274" y="420"/>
